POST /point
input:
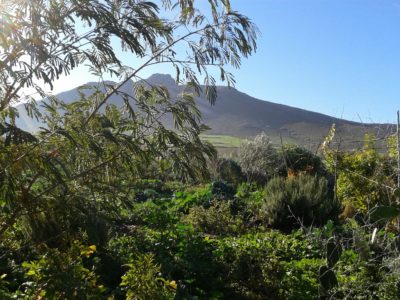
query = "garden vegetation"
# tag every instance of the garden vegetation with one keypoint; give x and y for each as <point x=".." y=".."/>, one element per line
<point x="108" y="202"/>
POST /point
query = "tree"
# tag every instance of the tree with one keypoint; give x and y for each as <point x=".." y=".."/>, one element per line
<point x="72" y="167"/>
<point x="41" y="40"/>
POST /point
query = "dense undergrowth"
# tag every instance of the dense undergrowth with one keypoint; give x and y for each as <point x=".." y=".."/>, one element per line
<point x="117" y="196"/>
<point x="218" y="240"/>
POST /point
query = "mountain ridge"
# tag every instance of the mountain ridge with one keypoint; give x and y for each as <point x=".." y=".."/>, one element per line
<point x="236" y="113"/>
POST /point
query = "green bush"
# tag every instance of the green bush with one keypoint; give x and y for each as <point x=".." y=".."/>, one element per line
<point x="300" y="160"/>
<point x="199" y="195"/>
<point x="149" y="189"/>
<point x="61" y="275"/>
<point x="215" y="220"/>
<point x="203" y="195"/>
<point x="269" y="265"/>
<point x="303" y="200"/>
<point x="222" y="190"/>
<point x="368" y="268"/>
<point x="153" y="213"/>
<point x="230" y="171"/>
<point x="247" y="203"/>
<point x="363" y="177"/>
<point x="300" y="279"/>
<point x="143" y="280"/>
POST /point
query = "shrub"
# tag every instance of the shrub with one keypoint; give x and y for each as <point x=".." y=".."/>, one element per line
<point x="215" y="220"/>
<point x="230" y="171"/>
<point x="303" y="200"/>
<point x="149" y="189"/>
<point x="363" y="178"/>
<point x="247" y="203"/>
<point x="222" y="190"/>
<point x="201" y="195"/>
<point x="143" y="281"/>
<point x="369" y="265"/>
<point x="269" y="265"/>
<point x="300" y="160"/>
<point x="61" y="275"/>
<point x="259" y="159"/>
<point x="300" y="280"/>
<point x="153" y="213"/>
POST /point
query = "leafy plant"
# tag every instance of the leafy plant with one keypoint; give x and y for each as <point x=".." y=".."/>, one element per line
<point x="303" y="200"/>
<point x="229" y="171"/>
<point x="215" y="220"/>
<point x="365" y="178"/>
<point x="143" y="280"/>
<point x="61" y="275"/>
<point x="298" y="160"/>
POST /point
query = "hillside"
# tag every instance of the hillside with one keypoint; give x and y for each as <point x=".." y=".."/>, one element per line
<point x="240" y="115"/>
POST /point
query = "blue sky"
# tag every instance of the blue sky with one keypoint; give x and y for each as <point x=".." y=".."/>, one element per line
<point x="337" y="57"/>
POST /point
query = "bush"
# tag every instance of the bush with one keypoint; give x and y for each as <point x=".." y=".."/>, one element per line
<point x="61" y="275"/>
<point x="230" y="171"/>
<point x="303" y="200"/>
<point x="259" y="159"/>
<point x="269" y="265"/>
<point x="222" y="190"/>
<point x="300" y="160"/>
<point x="153" y="213"/>
<point x="363" y="178"/>
<point x="201" y="195"/>
<point x="149" y="189"/>
<point x="300" y="280"/>
<point x="247" y="203"/>
<point x="143" y="281"/>
<point x="215" y="220"/>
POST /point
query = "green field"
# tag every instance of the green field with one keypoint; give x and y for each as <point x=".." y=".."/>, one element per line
<point x="227" y="141"/>
<point x="222" y="141"/>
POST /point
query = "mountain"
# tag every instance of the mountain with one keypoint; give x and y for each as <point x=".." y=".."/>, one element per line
<point x="238" y="114"/>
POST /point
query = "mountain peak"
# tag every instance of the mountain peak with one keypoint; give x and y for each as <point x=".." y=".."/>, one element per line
<point x="161" y="79"/>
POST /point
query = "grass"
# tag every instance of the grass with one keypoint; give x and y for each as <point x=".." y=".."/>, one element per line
<point x="222" y="141"/>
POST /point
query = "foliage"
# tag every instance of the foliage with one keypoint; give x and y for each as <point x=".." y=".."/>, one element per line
<point x="250" y="192"/>
<point x="59" y="274"/>
<point x="86" y="211"/>
<point x="365" y="178"/>
<point x="259" y="159"/>
<point x="49" y="34"/>
<point x="215" y="220"/>
<point x="303" y="200"/>
<point x="230" y="171"/>
<point x="90" y="151"/>
<point x="299" y="280"/>
<point x="196" y="196"/>
<point x="143" y="281"/>
<point x="222" y="190"/>
<point x="256" y="265"/>
<point x="298" y="160"/>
